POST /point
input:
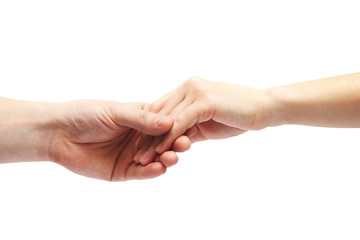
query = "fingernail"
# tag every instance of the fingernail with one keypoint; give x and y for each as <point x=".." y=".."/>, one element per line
<point x="137" y="155"/>
<point x="144" y="157"/>
<point x="158" y="148"/>
<point x="161" y="120"/>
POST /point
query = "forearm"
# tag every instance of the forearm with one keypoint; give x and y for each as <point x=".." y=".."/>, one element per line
<point x="26" y="129"/>
<point x="329" y="102"/>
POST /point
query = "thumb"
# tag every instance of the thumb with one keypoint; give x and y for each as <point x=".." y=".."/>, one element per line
<point x="142" y="120"/>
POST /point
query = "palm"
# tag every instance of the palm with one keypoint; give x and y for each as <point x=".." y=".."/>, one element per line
<point x="110" y="160"/>
<point x="94" y="145"/>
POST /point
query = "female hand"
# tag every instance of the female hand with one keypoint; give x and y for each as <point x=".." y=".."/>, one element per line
<point x="204" y="110"/>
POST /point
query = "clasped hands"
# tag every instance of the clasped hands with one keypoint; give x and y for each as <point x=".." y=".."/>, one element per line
<point x="123" y="141"/>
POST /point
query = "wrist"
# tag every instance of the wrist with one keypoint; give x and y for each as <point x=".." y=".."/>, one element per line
<point x="279" y="106"/>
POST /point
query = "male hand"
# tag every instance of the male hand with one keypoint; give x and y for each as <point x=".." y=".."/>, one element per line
<point x="99" y="139"/>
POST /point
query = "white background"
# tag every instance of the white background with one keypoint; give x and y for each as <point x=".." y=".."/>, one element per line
<point x="289" y="182"/>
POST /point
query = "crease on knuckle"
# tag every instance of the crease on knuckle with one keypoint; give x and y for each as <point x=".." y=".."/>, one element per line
<point x="155" y="108"/>
<point x="145" y="119"/>
<point x="179" y="123"/>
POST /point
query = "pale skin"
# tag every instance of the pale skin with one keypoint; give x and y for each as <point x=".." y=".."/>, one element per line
<point x="114" y="141"/>
<point x="96" y="139"/>
<point x="204" y="110"/>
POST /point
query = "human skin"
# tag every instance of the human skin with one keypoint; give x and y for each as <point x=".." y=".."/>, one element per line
<point x="96" y="139"/>
<point x="204" y="109"/>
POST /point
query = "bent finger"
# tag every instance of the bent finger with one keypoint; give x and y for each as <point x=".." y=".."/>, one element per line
<point x="140" y="172"/>
<point x="184" y="121"/>
<point x="156" y="106"/>
<point x="142" y="120"/>
<point x="181" y="144"/>
<point x="168" y="158"/>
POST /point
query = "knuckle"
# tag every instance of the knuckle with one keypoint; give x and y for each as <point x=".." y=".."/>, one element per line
<point x="144" y="118"/>
<point x="178" y="120"/>
<point x="155" y="107"/>
<point x="144" y="106"/>
<point x="192" y="81"/>
<point x="179" y="126"/>
<point x="195" y="86"/>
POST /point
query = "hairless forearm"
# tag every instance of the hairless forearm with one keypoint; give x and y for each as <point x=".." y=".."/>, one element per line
<point x="328" y="102"/>
<point x="25" y="130"/>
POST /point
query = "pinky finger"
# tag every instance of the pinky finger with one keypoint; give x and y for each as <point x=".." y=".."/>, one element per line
<point x="168" y="158"/>
<point x="182" y="144"/>
<point x="139" y="172"/>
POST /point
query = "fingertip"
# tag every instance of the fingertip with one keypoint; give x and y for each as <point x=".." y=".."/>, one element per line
<point x="182" y="144"/>
<point x="153" y="170"/>
<point x="163" y="121"/>
<point x="158" y="168"/>
<point x="137" y="156"/>
<point x="169" y="158"/>
<point x="142" y="120"/>
<point x="159" y="148"/>
<point x="162" y="124"/>
<point x="170" y="138"/>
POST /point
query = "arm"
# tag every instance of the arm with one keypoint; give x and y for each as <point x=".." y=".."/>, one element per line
<point x="26" y="129"/>
<point x="93" y="138"/>
<point x="210" y="110"/>
<point x="328" y="102"/>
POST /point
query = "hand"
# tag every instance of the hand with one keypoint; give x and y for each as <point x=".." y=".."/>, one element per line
<point x="205" y="110"/>
<point x="99" y="139"/>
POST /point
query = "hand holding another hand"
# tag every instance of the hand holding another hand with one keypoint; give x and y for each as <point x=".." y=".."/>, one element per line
<point x="99" y="139"/>
<point x="204" y="110"/>
<point x="122" y="141"/>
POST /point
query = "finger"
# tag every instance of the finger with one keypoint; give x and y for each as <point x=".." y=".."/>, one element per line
<point x="138" y="105"/>
<point x="147" y="140"/>
<point x="147" y="122"/>
<point x="140" y="172"/>
<point x="167" y="104"/>
<point x="194" y="113"/>
<point x="196" y="138"/>
<point x="191" y="131"/>
<point x="147" y="153"/>
<point x="171" y="104"/>
<point x="156" y="106"/>
<point x="194" y="134"/>
<point x="168" y="158"/>
<point x="181" y="144"/>
<point x="138" y="143"/>
<point x="174" y="111"/>
<point x="150" y="154"/>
